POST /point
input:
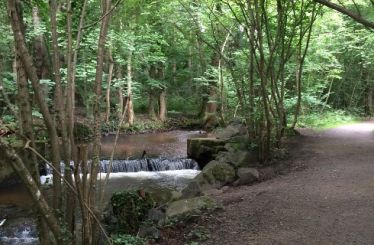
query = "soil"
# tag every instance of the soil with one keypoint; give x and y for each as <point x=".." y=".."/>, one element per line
<point x="324" y="196"/>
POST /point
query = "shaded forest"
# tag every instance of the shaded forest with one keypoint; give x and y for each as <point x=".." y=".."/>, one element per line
<point x="71" y="71"/>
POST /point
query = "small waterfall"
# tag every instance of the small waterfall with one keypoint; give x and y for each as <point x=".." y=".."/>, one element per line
<point x="152" y="164"/>
<point x="146" y="164"/>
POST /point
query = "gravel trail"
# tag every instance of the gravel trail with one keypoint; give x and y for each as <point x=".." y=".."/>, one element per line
<point x="328" y="197"/>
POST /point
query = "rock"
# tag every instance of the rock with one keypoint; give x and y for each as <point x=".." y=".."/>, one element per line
<point x="157" y="215"/>
<point x="162" y="195"/>
<point x="225" y="188"/>
<point x="247" y="176"/>
<point x="215" y="175"/>
<point x="193" y="189"/>
<point x="267" y="173"/>
<point x="238" y="159"/>
<point x="149" y="232"/>
<point x="203" y="150"/>
<point x="237" y="143"/>
<point x="227" y="132"/>
<point x="245" y="159"/>
<point x="189" y="206"/>
<point x="235" y="128"/>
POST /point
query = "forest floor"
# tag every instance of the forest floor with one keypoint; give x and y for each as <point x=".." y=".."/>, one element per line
<point x="325" y="197"/>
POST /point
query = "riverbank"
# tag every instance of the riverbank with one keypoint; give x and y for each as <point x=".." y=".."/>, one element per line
<point x="323" y="197"/>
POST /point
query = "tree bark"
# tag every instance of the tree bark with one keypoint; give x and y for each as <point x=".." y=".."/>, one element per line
<point x="109" y="82"/>
<point x="162" y="105"/>
<point x="105" y="4"/>
<point x="151" y="106"/>
<point x="347" y="12"/>
<point x="130" y="107"/>
<point x="27" y="62"/>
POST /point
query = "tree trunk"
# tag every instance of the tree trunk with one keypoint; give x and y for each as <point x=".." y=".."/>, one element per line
<point x="40" y="51"/>
<point x="130" y="107"/>
<point x="109" y="81"/>
<point x="301" y="58"/>
<point x="106" y="4"/>
<point x="162" y="105"/>
<point x="151" y="106"/>
<point x="370" y="102"/>
<point x="120" y="107"/>
<point x="27" y="62"/>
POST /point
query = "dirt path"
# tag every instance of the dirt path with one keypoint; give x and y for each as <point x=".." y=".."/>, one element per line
<point x="329" y="201"/>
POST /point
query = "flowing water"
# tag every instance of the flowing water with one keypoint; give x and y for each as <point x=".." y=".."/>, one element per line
<point x="164" y="163"/>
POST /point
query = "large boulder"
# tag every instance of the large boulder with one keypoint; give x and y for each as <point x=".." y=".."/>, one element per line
<point x="203" y="150"/>
<point x="215" y="175"/>
<point x="189" y="206"/>
<point x="247" y="176"/>
<point x="193" y="189"/>
<point x="235" y="128"/>
<point x="237" y="143"/>
<point x="161" y="195"/>
<point x="238" y="159"/>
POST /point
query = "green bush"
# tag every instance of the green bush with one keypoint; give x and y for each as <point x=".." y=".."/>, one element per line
<point x="125" y="239"/>
<point x="127" y="210"/>
<point x="327" y="119"/>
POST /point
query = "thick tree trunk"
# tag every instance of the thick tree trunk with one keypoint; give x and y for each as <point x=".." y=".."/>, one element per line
<point x="162" y="105"/>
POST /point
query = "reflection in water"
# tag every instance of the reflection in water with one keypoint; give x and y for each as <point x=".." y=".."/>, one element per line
<point x="167" y="144"/>
<point x="16" y="194"/>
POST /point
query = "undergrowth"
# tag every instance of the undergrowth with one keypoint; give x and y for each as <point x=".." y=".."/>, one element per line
<point x="327" y="119"/>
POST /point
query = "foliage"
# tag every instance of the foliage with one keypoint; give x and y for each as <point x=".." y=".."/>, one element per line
<point x="127" y="210"/>
<point x="199" y="233"/>
<point x="327" y="119"/>
<point x="82" y="132"/>
<point x="125" y="239"/>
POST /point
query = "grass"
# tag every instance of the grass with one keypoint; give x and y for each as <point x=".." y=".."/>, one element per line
<point x="327" y="119"/>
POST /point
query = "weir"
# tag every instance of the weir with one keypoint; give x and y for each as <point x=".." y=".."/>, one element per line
<point x="138" y="165"/>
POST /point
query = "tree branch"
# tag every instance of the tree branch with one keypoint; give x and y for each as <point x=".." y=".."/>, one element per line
<point x="347" y="12"/>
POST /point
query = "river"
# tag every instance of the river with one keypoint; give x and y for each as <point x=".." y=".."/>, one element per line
<point x="164" y="147"/>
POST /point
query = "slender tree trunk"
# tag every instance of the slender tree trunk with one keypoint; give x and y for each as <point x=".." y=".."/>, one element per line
<point x="40" y="51"/>
<point x="109" y="82"/>
<point x="370" y="95"/>
<point x="301" y="58"/>
<point x="130" y="107"/>
<point x="120" y="94"/>
<point x="27" y="62"/>
<point x="151" y="106"/>
<point x="106" y="4"/>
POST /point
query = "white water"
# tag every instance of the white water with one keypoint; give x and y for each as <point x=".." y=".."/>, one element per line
<point x="19" y="236"/>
